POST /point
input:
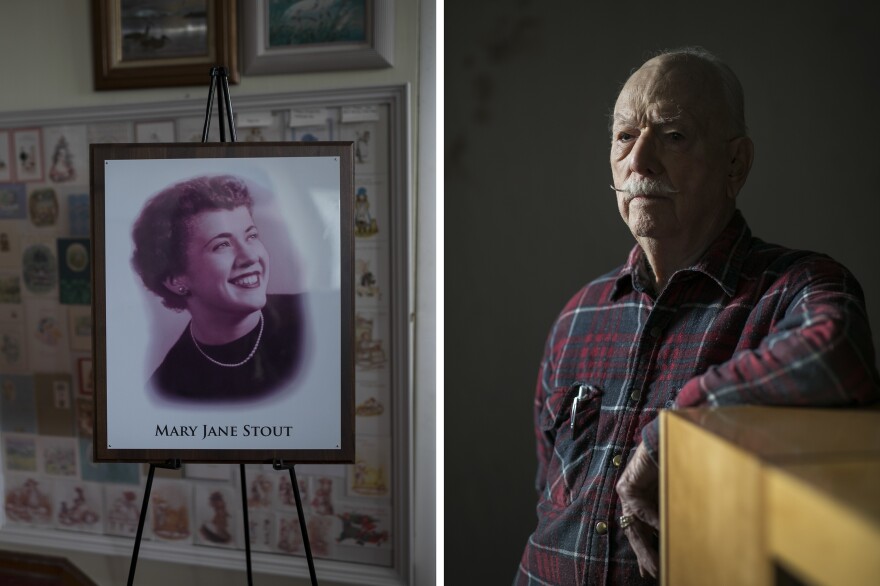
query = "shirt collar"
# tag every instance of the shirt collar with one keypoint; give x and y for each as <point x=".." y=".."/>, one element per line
<point x="721" y="262"/>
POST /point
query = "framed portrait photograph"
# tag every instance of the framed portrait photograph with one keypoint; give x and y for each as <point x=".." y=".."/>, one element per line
<point x="291" y="36"/>
<point x="223" y="302"/>
<point x="162" y="43"/>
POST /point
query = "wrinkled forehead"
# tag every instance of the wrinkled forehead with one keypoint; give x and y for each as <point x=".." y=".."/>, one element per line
<point x="666" y="90"/>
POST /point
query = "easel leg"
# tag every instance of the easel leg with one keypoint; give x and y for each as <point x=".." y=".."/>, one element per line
<point x="302" y="526"/>
<point x="247" y="523"/>
<point x="302" y="518"/>
<point x="224" y="90"/>
<point x="140" y="529"/>
<point x="210" y="104"/>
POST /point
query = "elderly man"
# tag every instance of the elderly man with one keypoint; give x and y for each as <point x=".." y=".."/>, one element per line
<point x="702" y="313"/>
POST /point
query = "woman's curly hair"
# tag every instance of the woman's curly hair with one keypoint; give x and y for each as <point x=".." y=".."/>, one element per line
<point x="161" y="232"/>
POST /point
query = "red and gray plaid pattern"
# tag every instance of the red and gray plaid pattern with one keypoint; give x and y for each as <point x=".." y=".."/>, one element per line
<point x="751" y="322"/>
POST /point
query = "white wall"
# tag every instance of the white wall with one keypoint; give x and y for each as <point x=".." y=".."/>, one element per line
<point x="47" y="63"/>
<point x="47" y="49"/>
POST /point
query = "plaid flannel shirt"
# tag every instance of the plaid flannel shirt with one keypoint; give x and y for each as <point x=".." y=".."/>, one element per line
<point x="750" y="322"/>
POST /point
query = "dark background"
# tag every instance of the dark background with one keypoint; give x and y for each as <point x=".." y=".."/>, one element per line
<point x="529" y="216"/>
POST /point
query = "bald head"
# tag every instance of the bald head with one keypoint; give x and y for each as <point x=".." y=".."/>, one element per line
<point x="710" y="86"/>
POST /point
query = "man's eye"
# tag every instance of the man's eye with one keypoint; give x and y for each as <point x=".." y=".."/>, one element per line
<point x="624" y="136"/>
<point x="220" y="245"/>
<point x="675" y="136"/>
<point x="253" y="236"/>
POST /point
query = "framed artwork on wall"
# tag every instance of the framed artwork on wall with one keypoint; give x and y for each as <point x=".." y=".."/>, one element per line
<point x="162" y="43"/>
<point x="291" y="36"/>
<point x="239" y="259"/>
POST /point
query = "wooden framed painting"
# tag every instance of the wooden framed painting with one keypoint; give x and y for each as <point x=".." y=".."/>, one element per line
<point x="291" y="36"/>
<point x="223" y="302"/>
<point x="162" y="43"/>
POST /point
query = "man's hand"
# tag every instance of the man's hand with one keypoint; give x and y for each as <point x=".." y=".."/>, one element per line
<point x="638" y="489"/>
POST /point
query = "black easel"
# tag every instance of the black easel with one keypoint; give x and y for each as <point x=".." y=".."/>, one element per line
<point x="280" y="465"/>
<point x="219" y="80"/>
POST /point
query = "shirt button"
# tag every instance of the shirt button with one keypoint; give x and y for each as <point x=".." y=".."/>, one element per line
<point x="635" y="395"/>
<point x="656" y="331"/>
<point x="601" y="527"/>
<point x="616" y="460"/>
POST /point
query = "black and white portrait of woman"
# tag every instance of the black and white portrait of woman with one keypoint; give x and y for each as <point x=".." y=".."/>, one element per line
<point x="198" y="248"/>
<point x="223" y="302"/>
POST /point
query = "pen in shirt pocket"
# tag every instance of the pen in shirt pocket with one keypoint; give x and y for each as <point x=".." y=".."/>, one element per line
<point x="584" y="392"/>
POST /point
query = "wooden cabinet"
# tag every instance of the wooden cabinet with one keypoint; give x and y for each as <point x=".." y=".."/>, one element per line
<point x="744" y="489"/>
<point x="27" y="569"/>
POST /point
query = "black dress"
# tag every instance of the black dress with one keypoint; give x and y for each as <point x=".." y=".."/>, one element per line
<point x="186" y="374"/>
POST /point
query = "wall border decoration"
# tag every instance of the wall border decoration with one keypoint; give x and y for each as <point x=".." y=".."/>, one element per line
<point x="385" y="309"/>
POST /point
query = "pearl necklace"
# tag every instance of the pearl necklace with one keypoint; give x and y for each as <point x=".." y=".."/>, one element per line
<point x="217" y="362"/>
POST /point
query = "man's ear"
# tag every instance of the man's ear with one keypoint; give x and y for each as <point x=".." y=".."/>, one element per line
<point x="176" y="285"/>
<point x="741" y="153"/>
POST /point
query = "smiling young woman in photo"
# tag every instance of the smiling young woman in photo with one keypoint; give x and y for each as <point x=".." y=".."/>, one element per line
<point x="198" y="248"/>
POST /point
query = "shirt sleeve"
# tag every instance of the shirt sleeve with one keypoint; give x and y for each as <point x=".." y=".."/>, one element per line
<point x="544" y="443"/>
<point x="820" y="354"/>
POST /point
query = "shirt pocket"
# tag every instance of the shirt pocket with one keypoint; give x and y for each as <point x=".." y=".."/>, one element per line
<point x="573" y="438"/>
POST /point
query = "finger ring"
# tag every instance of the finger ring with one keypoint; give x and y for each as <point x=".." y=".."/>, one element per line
<point x="625" y="521"/>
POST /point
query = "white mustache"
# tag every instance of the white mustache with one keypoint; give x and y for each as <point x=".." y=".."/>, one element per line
<point x="645" y="186"/>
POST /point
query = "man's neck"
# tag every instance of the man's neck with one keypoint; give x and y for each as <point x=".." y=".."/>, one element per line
<point x="662" y="263"/>
<point x="665" y="256"/>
